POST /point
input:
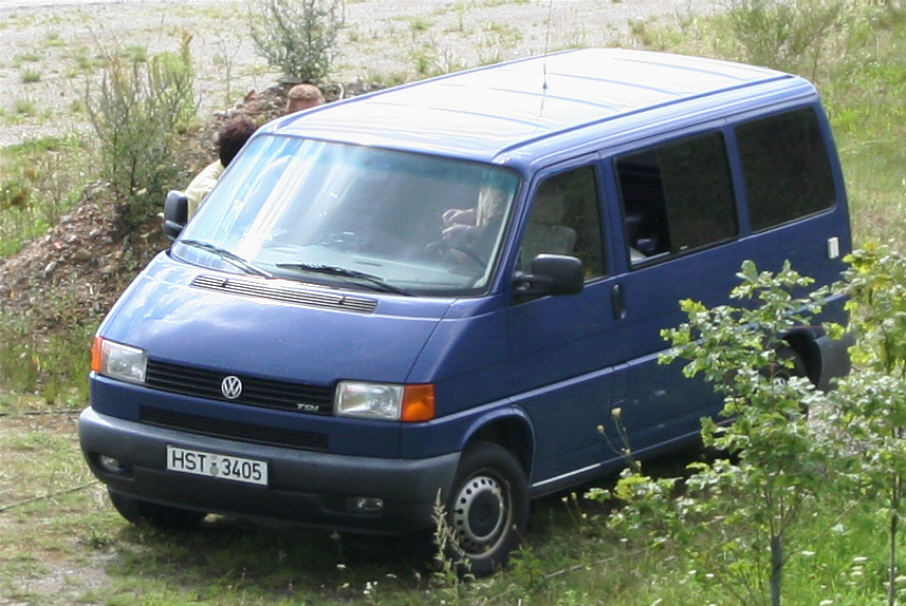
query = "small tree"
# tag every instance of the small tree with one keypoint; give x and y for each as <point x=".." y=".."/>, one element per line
<point x="751" y="502"/>
<point x="297" y="37"/>
<point x="137" y="112"/>
<point x="872" y="401"/>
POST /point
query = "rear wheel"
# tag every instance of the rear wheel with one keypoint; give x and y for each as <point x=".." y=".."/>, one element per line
<point x="160" y="516"/>
<point x="488" y="507"/>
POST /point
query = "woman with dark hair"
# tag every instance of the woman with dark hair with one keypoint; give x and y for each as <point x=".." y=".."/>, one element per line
<point x="230" y="140"/>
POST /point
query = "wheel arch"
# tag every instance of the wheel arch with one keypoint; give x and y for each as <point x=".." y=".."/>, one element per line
<point x="824" y="357"/>
<point x="509" y="429"/>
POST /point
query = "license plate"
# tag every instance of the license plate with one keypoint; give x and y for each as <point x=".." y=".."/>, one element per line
<point x="226" y="467"/>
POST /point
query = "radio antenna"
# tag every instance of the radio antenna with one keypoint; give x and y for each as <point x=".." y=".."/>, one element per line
<point x="547" y="40"/>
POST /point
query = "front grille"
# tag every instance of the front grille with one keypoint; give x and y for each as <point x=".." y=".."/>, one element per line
<point x="219" y="428"/>
<point x="280" y="395"/>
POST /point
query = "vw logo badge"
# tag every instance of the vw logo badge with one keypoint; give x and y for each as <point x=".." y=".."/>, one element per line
<point x="231" y="387"/>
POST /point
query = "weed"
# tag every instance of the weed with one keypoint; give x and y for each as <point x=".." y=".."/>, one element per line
<point x="26" y="107"/>
<point x="297" y="38"/>
<point x="418" y="25"/>
<point x="225" y="61"/>
<point x="30" y="76"/>
<point x="138" y="110"/>
<point x="53" y="40"/>
<point x="788" y="36"/>
<point x="451" y="564"/>
<point x="38" y="184"/>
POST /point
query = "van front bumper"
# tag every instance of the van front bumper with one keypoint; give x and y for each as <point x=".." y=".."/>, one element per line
<point x="311" y="488"/>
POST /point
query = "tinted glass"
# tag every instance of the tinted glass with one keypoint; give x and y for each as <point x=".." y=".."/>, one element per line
<point x="565" y="220"/>
<point x="786" y="170"/>
<point x="677" y="197"/>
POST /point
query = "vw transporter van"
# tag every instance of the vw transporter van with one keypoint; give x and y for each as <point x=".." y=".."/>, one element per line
<point x="446" y="287"/>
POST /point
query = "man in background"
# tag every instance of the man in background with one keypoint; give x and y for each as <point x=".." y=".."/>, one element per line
<point x="303" y="96"/>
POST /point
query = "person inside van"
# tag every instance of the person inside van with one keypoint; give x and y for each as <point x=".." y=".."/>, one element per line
<point x="544" y="233"/>
<point x="230" y="140"/>
<point x="464" y="226"/>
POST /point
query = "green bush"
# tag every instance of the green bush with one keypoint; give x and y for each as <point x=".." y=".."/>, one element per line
<point x="753" y="504"/>
<point x="784" y="34"/>
<point x="137" y="113"/>
<point x="297" y="37"/>
<point x="872" y="402"/>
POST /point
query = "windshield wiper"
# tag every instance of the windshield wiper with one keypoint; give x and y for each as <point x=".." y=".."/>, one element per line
<point x="374" y="281"/>
<point x="228" y="256"/>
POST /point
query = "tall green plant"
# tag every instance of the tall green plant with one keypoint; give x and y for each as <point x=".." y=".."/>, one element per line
<point x="784" y="34"/>
<point x="137" y="112"/>
<point x="297" y="37"/>
<point x="750" y="504"/>
<point x="872" y="401"/>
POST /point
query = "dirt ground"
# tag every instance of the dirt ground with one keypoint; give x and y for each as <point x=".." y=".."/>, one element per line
<point x="51" y="44"/>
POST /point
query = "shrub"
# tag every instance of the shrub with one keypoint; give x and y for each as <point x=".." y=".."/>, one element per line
<point x="784" y="34"/>
<point x="137" y="113"/>
<point x="298" y="37"/>
<point x="872" y="401"/>
<point x="751" y="503"/>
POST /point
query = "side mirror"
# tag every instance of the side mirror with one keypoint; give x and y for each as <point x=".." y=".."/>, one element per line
<point x="551" y="275"/>
<point x="176" y="213"/>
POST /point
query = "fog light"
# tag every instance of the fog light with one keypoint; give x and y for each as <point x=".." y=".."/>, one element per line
<point x="365" y="504"/>
<point x="110" y="464"/>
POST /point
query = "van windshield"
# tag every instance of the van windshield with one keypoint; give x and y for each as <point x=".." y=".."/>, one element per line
<point x="353" y="216"/>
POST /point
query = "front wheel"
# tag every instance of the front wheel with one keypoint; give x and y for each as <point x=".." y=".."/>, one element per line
<point x="488" y="507"/>
<point x="160" y="516"/>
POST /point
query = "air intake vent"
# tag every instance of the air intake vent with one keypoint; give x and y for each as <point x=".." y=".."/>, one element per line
<point x="253" y="288"/>
<point x="219" y="428"/>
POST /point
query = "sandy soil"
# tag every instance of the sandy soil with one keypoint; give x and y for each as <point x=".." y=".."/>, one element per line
<point x="56" y="41"/>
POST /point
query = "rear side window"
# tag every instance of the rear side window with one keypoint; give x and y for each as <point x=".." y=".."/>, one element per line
<point x="677" y="197"/>
<point x="785" y="167"/>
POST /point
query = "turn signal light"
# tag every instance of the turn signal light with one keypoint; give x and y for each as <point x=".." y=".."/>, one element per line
<point x="418" y="403"/>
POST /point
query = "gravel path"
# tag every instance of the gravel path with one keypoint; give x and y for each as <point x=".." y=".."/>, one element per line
<point x="54" y="44"/>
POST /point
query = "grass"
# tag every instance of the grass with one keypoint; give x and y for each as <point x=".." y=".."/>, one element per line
<point x="30" y="76"/>
<point x="26" y="107"/>
<point x="20" y="59"/>
<point x="39" y="181"/>
<point x="64" y="544"/>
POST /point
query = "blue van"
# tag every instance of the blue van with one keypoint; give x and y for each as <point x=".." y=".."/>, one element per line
<point x="442" y="290"/>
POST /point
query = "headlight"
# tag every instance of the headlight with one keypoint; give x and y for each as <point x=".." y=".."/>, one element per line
<point x="385" y="401"/>
<point x="118" y="361"/>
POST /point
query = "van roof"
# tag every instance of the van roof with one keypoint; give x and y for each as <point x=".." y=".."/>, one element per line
<point x="531" y="107"/>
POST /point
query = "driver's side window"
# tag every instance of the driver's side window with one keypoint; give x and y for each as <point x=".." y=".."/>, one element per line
<point x="564" y="220"/>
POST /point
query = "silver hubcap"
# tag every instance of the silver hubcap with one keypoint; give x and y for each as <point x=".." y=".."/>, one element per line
<point x="479" y="513"/>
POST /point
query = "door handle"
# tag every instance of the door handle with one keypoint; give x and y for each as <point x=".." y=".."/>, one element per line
<point x="618" y="302"/>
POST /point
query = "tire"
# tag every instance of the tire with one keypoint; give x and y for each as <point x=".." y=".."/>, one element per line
<point x="159" y="516"/>
<point x="487" y="510"/>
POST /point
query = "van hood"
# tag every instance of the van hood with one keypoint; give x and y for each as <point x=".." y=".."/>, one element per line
<point x="278" y="329"/>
